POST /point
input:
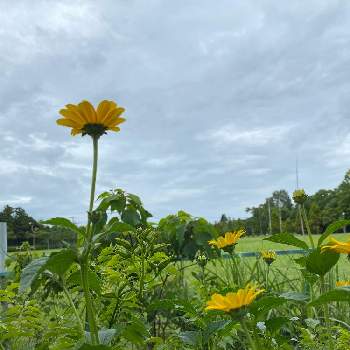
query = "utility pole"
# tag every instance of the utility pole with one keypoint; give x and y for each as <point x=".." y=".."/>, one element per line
<point x="3" y="248"/>
<point x="279" y="211"/>
<point x="269" y="210"/>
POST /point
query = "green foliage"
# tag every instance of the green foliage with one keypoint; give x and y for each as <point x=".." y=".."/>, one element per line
<point x="339" y="294"/>
<point x="333" y="227"/>
<point x="287" y="238"/>
<point x="321" y="263"/>
<point x="63" y="222"/>
<point x="186" y="235"/>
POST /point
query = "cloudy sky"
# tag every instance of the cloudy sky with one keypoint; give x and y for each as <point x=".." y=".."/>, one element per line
<point x="220" y="97"/>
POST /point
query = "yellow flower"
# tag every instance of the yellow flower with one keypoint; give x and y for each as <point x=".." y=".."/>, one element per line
<point x="229" y="239"/>
<point x="343" y="284"/>
<point x="269" y="256"/>
<point x="233" y="301"/>
<point x="336" y="246"/>
<point x="84" y="119"/>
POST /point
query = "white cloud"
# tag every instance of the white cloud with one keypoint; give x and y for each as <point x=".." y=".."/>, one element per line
<point x="220" y="98"/>
<point x="16" y="200"/>
<point x="232" y="134"/>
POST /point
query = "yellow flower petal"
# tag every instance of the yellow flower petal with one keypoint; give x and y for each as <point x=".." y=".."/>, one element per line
<point x="103" y="108"/>
<point x="232" y="301"/>
<point x="68" y="122"/>
<point x="88" y="111"/>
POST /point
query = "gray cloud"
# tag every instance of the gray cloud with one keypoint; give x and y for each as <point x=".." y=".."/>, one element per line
<point x="221" y="98"/>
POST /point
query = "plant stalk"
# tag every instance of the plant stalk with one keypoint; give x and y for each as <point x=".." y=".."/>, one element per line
<point x="326" y="310"/>
<point x="307" y="226"/>
<point x="251" y="341"/>
<point x="89" y="307"/>
<point x="267" y="277"/>
<point x="70" y="300"/>
<point x="84" y="265"/>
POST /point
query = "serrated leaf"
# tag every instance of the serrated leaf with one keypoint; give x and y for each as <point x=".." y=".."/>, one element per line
<point x="339" y="294"/>
<point x="131" y="216"/>
<point x="30" y="273"/>
<point x="94" y="281"/>
<point x="61" y="261"/>
<point x="214" y="327"/>
<point x="287" y="238"/>
<point x="332" y="228"/>
<point x="321" y="263"/>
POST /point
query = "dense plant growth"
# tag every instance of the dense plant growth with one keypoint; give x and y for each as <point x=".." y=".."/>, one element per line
<point x="127" y="283"/>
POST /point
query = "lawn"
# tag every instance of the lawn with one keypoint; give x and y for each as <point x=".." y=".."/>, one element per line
<point x="257" y="243"/>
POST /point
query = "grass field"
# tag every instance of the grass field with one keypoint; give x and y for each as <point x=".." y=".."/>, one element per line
<point x="284" y="269"/>
<point x="252" y="244"/>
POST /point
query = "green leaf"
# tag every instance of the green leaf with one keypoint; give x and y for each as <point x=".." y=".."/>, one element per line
<point x="287" y="238"/>
<point x="265" y="304"/>
<point x="136" y="331"/>
<point x="63" y="222"/>
<point x="135" y="199"/>
<point x="116" y="201"/>
<point x="180" y="233"/>
<point x="295" y="296"/>
<point x="94" y="281"/>
<point x="61" y="261"/>
<point x="301" y="261"/>
<point x="339" y="294"/>
<point x="215" y="326"/>
<point x="321" y="263"/>
<point x="31" y="272"/>
<point x="275" y="324"/>
<point x="191" y="337"/>
<point x="120" y="227"/>
<point x="164" y="304"/>
<point x="332" y="228"/>
<point x="131" y="216"/>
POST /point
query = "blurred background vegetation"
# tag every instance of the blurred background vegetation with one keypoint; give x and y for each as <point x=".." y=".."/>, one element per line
<point x="186" y="234"/>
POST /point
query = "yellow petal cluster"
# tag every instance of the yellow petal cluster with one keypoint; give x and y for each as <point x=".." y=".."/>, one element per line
<point x="233" y="301"/>
<point x="269" y="256"/>
<point x="230" y="238"/>
<point x="336" y="246"/>
<point x="342" y="283"/>
<point x="83" y="117"/>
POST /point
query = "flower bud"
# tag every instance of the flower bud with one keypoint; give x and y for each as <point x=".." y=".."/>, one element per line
<point x="299" y="196"/>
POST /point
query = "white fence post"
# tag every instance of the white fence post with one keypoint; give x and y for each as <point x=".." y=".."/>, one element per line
<point x="3" y="246"/>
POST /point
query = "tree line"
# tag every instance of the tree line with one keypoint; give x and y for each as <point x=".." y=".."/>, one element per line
<point x="21" y="227"/>
<point x="278" y="213"/>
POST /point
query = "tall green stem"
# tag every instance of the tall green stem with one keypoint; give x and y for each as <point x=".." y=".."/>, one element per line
<point x="93" y="186"/>
<point x="70" y="300"/>
<point x="251" y="341"/>
<point x="307" y="226"/>
<point x="236" y="270"/>
<point x="326" y="310"/>
<point x="89" y="307"/>
<point x="84" y="265"/>
<point x="267" y="277"/>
